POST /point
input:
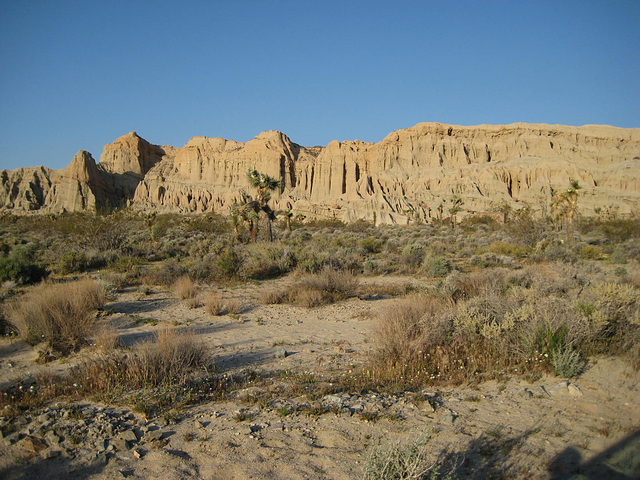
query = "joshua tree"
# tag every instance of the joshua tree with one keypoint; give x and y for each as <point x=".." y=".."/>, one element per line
<point x="250" y="210"/>
<point x="288" y="214"/>
<point x="564" y="205"/>
<point x="440" y="211"/>
<point x="455" y="208"/>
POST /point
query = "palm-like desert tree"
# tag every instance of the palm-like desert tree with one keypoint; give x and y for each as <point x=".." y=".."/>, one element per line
<point x="455" y="208"/>
<point x="250" y="210"/>
<point x="564" y="205"/>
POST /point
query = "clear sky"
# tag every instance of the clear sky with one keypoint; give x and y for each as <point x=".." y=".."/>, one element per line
<point x="79" y="74"/>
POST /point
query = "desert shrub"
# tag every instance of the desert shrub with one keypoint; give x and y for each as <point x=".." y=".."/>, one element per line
<point x="164" y="274"/>
<point x="234" y="306"/>
<point x="590" y="252"/>
<point x="619" y="255"/>
<point x="463" y="286"/>
<point x="273" y="296"/>
<point x="266" y="260"/>
<point x="63" y="315"/>
<point x="567" y="363"/>
<point x="618" y="230"/>
<point x="106" y="338"/>
<point x="72" y="262"/>
<point x="166" y="359"/>
<point x="20" y="267"/>
<point x="310" y="260"/>
<point x="559" y="253"/>
<point x="396" y="461"/>
<point x="322" y="288"/>
<point x="612" y="315"/>
<point x="524" y="228"/>
<point x="185" y="288"/>
<point x="620" y="272"/>
<point x="413" y="255"/>
<point x="371" y="245"/>
<point x="509" y="249"/>
<point x="228" y="263"/>
<point x="209" y="223"/>
<point x="6" y="328"/>
<point x="436" y="266"/>
<point x="213" y="303"/>
<point x="126" y="264"/>
<point x="400" y="335"/>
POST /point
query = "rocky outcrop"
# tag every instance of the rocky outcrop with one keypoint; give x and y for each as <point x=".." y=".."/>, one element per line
<point x="131" y="155"/>
<point x="411" y="174"/>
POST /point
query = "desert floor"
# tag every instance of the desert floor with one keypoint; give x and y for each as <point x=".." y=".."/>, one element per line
<point x="509" y="429"/>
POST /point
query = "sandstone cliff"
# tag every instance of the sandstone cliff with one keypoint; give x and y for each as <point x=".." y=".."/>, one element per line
<point x="409" y="175"/>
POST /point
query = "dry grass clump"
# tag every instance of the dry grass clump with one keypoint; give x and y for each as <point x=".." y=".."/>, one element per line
<point x="396" y="461"/>
<point x="326" y="287"/>
<point x="63" y="315"/>
<point x="185" y="288"/>
<point x="234" y="306"/>
<point x="213" y="304"/>
<point x="106" y="338"/>
<point x="273" y="296"/>
<point x="167" y="358"/>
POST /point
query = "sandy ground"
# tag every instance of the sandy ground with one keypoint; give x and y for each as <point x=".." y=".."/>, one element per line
<point x="546" y="429"/>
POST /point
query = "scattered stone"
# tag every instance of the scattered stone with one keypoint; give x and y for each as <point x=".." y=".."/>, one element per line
<point x="448" y="418"/>
<point x="574" y="390"/>
<point x="281" y="353"/>
<point x="128" y="435"/>
<point x="49" y="453"/>
<point x="138" y="453"/>
<point x="33" y="444"/>
<point x="335" y="399"/>
<point x="154" y="435"/>
<point x="277" y="426"/>
<point x="559" y="389"/>
<point x="122" y="444"/>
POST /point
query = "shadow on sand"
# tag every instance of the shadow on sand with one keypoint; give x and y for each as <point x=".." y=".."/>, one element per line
<point x="619" y="462"/>
<point x="491" y="456"/>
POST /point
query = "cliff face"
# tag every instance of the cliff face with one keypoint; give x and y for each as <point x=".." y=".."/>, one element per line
<point x="407" y="175"/>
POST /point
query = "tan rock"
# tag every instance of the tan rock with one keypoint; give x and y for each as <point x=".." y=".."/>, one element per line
<point x="401" y="179"/>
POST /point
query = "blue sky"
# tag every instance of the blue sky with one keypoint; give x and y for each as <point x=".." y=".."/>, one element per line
<point x="78" y="74"/>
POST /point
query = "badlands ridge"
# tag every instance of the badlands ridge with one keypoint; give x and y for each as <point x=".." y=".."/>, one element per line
<point x="406" y="176"/>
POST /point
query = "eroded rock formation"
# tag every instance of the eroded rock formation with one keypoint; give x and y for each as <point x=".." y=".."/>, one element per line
<point x="411" y="174"/>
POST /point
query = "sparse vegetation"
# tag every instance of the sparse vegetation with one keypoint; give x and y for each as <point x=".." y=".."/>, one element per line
<point x="213" y="304"/>
<point x="491" y="301"/>
<point x="63" y="315"/>
<point x="185" y="288"/>
<point x="396" y="461"/>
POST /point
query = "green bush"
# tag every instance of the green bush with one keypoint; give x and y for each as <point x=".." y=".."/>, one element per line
<point x="437" y="266"/>
<point x="72" y="262"/>
<point x="20" y="268"/>
<point x="371" y="245"/>
<point x="590" y="252"/>
<point x="567" y="363"/>
<point x="229" y="263"/>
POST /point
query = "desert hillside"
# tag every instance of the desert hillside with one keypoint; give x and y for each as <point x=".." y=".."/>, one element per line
<point x="413" y="174"/>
